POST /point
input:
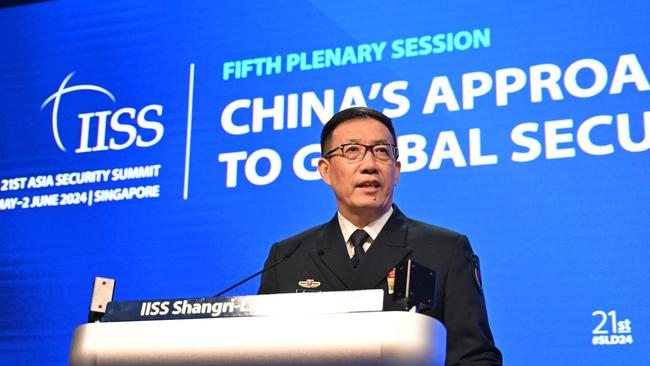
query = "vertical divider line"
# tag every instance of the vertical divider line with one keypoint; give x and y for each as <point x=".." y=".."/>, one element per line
<point x="188" y="140"/>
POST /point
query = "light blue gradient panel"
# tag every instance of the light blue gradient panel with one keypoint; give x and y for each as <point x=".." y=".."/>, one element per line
<point x="562" y="236"/>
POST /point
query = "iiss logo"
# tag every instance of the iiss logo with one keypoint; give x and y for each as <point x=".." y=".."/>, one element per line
<point x="106" y="129"/>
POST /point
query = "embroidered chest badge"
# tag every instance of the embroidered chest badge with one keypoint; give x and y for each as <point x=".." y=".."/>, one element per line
<point x="309" y="283"/>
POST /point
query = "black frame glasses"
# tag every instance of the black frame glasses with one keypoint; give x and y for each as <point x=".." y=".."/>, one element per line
<point x="352" y="151"/>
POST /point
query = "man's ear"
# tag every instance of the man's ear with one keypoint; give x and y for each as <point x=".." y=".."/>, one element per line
<point x="324" y="169"/>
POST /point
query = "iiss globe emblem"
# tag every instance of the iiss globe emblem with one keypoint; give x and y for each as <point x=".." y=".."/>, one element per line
<point x="113" y="129"/>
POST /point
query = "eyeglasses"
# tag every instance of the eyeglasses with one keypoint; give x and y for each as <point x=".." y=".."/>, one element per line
<point x="356" y="152"/>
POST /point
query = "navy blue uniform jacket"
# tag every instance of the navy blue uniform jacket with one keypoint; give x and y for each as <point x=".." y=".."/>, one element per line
<point x="459" y="303"/>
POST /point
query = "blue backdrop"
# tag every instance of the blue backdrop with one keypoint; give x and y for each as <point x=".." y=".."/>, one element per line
<point x="167" y="145"/>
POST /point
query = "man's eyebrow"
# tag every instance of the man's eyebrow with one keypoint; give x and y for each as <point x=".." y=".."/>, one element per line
<point x="380" y="141"/>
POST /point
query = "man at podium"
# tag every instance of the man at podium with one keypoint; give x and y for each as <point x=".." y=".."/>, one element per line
<point x="366" y="239"/>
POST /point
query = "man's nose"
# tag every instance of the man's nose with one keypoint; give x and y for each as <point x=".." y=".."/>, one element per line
<point x="369" y="162"/>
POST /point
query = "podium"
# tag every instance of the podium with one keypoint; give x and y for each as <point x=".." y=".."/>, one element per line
<point x="344" y="338"/>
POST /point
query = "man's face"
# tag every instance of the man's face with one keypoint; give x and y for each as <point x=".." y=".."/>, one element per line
<point x="365" y="187"/>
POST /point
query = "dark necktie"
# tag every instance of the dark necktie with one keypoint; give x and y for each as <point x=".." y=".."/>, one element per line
<point x="357" y="239"/>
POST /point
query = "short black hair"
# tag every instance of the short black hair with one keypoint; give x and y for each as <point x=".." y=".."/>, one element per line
<point x="353" y="113"/>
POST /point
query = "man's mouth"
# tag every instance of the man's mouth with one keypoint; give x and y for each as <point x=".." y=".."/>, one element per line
<point x="369" y="184"/>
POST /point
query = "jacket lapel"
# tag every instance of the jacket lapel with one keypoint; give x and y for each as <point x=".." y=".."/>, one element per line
<point x="388" y="249"/>
<point x="330" y="254"/>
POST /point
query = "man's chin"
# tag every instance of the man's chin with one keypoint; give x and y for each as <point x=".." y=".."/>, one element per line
<point x="371" y="204"/>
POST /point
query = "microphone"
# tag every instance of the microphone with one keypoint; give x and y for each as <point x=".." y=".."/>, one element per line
<point x="270" y="266"/>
